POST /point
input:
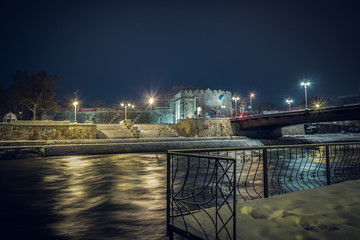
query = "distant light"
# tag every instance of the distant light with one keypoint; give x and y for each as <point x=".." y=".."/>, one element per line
<point x="199" y="109"/>
<point x="122" y="104"/>
<point x="252" y="94"/>
<point x="129" y="104"/>
<point x="307" y="83"/>
<point x="75" y="103"/>
<point x="289" y="101"/>
<point x="133" y="106"/>
<point x="151" y="100"/>
<point x="317" y="104"/>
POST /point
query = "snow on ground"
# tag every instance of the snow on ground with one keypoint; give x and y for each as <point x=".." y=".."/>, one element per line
<point x="330" y="212"/>
<point x="324" y="138"/>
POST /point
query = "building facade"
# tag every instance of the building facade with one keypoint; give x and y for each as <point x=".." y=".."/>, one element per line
<point x="201" y="103"/>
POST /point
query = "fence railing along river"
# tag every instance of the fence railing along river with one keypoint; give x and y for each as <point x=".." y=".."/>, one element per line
<point x="213" y="181"/>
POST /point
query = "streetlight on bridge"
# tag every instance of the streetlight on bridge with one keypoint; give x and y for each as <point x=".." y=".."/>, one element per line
<point x="289" y="101"/>
<point x="305" y="84"/>
<point x="252" y="95"/>
<point x="236" y="99"/>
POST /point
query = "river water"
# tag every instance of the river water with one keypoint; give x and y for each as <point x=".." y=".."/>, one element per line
<point x="119" y="196"/>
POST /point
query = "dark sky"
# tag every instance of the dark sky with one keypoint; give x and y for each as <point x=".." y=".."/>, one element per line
<point x="115" y="50"/>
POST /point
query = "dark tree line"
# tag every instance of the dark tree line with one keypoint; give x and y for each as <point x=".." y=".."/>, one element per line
<point x="30" y="96"/>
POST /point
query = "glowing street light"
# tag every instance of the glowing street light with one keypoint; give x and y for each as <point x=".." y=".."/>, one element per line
<point x="198" y="111"/>
<point x="317" y="104"/>
<point x="252" y="95"/>
<point x="289" y="101"/>
<point x="75" y="103"/>
<point x="151" y="100"/>
<point x="126" y="105"/>
<point x="305" y="84"/>
<point x="236" y="99"/>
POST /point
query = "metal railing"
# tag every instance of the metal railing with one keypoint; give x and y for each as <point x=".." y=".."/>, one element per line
<point x="203" y="185"/>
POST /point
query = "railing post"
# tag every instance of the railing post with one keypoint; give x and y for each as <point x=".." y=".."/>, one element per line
<point x="328" y="182"/>
<point x="216" y="199"/>
<point x="265" y="173"/>
<point x="234" y="202"/>
<point x="168" y="228"/>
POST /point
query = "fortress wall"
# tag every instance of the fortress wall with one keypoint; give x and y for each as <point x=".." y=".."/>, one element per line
<point x="206" y="127"/>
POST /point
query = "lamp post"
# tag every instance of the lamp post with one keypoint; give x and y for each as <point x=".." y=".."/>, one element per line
<point x="126" y="105"/>
<point x="151" y="100"/>
<point x="198" y="111"/>
<point x="75" y="103"/>
<point x="305" y="84"/>
<point x="236" y="99"/>
<point x="289" y="101"/>
<point x="252" y="95"/>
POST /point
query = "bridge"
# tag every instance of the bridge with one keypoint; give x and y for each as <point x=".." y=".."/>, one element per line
<point x="269" y="125"/>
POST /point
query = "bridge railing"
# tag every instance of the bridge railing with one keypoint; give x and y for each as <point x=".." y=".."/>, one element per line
<point x="205" y="184"/>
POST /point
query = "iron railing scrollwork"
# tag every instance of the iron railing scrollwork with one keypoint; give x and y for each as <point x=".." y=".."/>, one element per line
<point x="204" y="185"/>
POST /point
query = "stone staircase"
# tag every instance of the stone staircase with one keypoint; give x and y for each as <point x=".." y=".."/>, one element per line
<point x="126" y="129"/>
<point x="113" y="131"/>
<point x="130" y="126"/>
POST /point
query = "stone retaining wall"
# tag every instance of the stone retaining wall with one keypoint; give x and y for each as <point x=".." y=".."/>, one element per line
<point x="293" y="130"/>
<point x="46" y="130"/>
<point x="206" y="127"/>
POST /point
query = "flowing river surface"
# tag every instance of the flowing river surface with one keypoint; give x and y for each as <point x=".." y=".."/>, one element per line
<point x="118" y="196"/>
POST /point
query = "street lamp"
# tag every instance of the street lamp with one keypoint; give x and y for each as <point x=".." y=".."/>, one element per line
<point x="289" y="101"/>
<point x="151" y="100"/>
<point x="75" y="103"/>
<point x="252" y="95"/>
<point x="198" y="109"/>
<point x="305" y="84"/>
<point x="126" y="105"/>
<point x="236" y="99"/>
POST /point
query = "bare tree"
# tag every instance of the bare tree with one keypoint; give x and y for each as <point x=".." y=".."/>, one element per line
<point x="36" y="92"/>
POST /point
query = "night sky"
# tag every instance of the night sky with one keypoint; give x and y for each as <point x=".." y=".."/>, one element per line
<point x="116" y="50"/>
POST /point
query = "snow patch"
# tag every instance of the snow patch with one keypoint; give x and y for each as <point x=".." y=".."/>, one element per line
<point x="330" y="212"/>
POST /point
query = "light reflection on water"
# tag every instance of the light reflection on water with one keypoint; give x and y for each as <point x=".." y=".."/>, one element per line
<point x="118" y="196"/>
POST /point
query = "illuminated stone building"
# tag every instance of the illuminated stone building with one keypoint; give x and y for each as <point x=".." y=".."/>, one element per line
<point x="201" y="103"/>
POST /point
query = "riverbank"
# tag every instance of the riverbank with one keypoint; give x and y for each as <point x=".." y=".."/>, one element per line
<point x="42" y="148"/>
